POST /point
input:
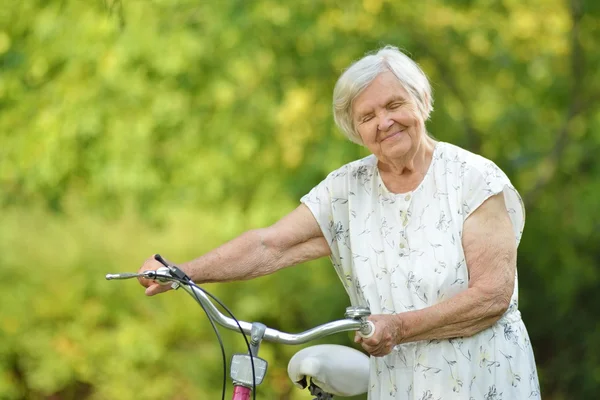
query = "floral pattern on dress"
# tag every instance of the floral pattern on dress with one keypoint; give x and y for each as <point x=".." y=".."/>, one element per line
<point x="401" y="252"/>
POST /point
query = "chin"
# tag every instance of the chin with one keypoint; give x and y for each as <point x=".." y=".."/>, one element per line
<point x="403" y="145"/>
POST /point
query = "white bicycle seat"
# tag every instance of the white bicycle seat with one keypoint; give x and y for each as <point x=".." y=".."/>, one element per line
<point x="338" y="370"/>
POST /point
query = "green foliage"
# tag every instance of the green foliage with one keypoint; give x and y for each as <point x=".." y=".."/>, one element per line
<point x="133" y="127"/>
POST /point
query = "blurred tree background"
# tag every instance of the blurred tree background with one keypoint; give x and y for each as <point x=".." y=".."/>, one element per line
<point x="130" y="127"/>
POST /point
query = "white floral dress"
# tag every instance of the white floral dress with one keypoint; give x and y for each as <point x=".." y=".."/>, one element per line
<point x="402" y="252"/>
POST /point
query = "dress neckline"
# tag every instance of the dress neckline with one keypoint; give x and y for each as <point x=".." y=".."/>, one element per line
<point x="429" y="169"/>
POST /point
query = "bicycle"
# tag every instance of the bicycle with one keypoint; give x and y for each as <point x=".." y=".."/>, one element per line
<point x="325" y="370"/>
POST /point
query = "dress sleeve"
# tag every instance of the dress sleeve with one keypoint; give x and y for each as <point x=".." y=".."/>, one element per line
<point x="318" y="200"/>
<point x="482" y="180"/>
<point x="329" y="204"/>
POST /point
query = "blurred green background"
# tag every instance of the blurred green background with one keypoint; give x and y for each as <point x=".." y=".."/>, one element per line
<point x="131" y="127"/>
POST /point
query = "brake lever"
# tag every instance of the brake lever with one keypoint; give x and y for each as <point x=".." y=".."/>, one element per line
<point x="175" y="271"/>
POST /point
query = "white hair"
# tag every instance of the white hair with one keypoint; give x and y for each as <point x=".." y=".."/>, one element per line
<point x="360" y="75"/>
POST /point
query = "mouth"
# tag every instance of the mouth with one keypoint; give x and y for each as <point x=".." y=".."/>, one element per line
<point x="393" y="135"/>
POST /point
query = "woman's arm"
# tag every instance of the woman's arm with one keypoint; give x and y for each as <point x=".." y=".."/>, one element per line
<point x="490" y="251"/>
<point x="294" y="239"/>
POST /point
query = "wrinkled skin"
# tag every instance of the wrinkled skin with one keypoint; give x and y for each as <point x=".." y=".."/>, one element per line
<point x="387" y="334"/>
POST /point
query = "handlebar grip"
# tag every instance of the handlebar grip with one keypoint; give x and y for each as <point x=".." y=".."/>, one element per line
<point x="370" y="330"/>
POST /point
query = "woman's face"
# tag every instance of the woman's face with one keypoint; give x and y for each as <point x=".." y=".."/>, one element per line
<point x="388" y="120"/>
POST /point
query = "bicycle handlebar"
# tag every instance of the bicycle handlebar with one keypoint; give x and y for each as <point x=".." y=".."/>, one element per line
<point x="356" y="322"/>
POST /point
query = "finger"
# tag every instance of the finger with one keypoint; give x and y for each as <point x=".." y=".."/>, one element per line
<point x="145" y="282"/>
<point x="366" y="348"/>
<point x="377" y="352"/>
<point x="373" y="341"/>
<point x="357" y="338"/>
<point x="370" y="341"/>
<point x="382" y="352"/>
<point x="377" y="349"/>
<point x="156" y="289"/>
<point x="369" y="349"/>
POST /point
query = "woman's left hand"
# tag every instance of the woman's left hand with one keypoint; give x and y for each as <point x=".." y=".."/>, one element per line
<point x="387" y="334"/>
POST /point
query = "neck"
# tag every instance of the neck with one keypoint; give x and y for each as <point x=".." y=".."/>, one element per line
<point x="415" y="162"/>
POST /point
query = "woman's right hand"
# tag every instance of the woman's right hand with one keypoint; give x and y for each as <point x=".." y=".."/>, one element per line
<point x="152" y="287"/>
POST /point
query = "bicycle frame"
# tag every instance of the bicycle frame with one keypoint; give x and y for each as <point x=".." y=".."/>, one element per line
<point x="244" y="366"/>
<point x="241" y="393"/>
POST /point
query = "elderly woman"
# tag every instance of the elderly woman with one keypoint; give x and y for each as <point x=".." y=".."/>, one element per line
<point x="422" y="232"/>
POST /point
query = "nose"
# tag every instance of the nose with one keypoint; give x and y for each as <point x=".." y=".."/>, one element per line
<point x="385" y="122"/>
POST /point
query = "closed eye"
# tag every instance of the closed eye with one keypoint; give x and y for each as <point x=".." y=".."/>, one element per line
<point x="366" y="118"/>
<point x="394" y="105"/>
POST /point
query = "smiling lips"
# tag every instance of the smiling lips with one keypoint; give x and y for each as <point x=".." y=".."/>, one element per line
<point x="393" y="135"/>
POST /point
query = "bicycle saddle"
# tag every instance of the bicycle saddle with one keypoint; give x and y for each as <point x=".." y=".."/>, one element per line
<point x="338" y="370"/>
